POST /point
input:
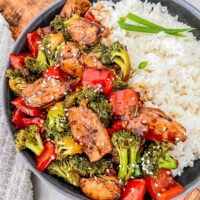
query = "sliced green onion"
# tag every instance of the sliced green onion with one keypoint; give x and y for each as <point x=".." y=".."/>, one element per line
<point x="140" y="20"/>
<point x="143" y="65"/>
<point x="148" y="27"/>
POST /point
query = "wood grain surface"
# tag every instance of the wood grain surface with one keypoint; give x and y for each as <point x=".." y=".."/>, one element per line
<point x="19" y="13"/>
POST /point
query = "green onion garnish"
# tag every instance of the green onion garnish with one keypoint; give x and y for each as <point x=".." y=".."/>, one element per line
<point x="148" y="27"/>
<point x="143" y="65"/>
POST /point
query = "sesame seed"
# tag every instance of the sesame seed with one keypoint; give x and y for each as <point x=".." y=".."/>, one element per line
<point x="145" y="129"/>
<point x="78" y="137"/>
<point x="168" y="172"/>
<point x="144" y="121"/>
<point x="164" y="128"/>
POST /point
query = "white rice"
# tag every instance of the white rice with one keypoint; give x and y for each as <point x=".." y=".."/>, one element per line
<point x="171" y="80"/>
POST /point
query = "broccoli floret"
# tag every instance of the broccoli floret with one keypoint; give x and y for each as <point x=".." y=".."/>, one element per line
<point x="21" y="73"/>
<point x="56" y="122"/>
<point x="59" y="24"/>
<point x="66" y="145"/>
<point x="137" y="170"/>
<point x="117" y="53"/>
<point x="38" y="65"/>
<point x="127" y="145"/>
<point x="81" y="164"/>
<point x="156" y="156"/>
<point x="17" y="85"/>
<point x="52" y="45"/>
<point x="63" y="170"/>
<point x="74" y="167"/>
<point x="29" y="138"/>
<point x="96" y="50"/>
<point x="97" y="102"/>
<point x="119" y="84"/>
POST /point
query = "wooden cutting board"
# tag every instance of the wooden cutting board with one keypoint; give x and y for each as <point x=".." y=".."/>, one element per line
<point x="19" y="13"/>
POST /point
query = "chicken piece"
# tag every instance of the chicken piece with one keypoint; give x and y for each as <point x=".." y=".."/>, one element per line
<point x="72" y="7"/>
<point x="70" y="64"/>
<point x="88" y="60"/>
<point x="44" y="31"/>
<point x="154" y="125"/>
<point x="88" y="131"/>
<point x="44" y="91"/>
<point x="101" y="188"/>
<point x="84" y="31"/>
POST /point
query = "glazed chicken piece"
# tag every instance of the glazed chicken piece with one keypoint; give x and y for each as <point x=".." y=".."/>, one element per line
<point x="44" y="91"/>
<point x="73" y="61"/>
<point x="88" y="131"/>
<point x="70" y="64"/>
<point x="154" y="125"/>
<point x="72" y="7"/>
<point x="84" y="31"/>
<point x="101" y="188"/>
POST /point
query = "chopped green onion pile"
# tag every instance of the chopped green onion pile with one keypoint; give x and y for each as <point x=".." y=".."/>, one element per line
<point x="148" y="27"/>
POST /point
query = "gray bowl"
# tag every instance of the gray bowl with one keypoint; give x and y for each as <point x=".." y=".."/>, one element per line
<point x="187" y="13"/>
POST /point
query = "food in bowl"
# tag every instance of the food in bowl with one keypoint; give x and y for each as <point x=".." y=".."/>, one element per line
<point x="78" y="107"/>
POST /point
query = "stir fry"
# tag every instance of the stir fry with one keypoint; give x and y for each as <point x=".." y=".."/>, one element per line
<point x="75" y="111"/>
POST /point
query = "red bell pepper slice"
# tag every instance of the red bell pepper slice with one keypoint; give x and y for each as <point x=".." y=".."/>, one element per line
<point x="164" y="187"/>
<point x="17" y="61"/>
<point x="94" y="77"/>
<point x="135" y="190"/>
<point x="109" y="84"/>
<point x="47" y="156"/>
<point x="90" y="17"/>
<point x="17" y="118"/>
<point x="56" y="73"/>
<point x="33" y="40"/>
<point x="30" y="121"/>
<point x="123" y="100"/>
<point x="117" y="126"/>
<point x="98" y="79"/>
<point x="21" y="105"/>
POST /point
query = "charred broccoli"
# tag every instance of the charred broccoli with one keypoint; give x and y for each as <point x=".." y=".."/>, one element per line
<point x="38" y="65"/>
<point x="127" y="145"/>
<point x="74" y="167"/>
<point x="29" y="138"/>
<point x="117" y="53"/>
<point x="119" y="84"/>
<point x="31" y="71"/>
<point x="81" y="164"/>
<point x="97" y="102"/>
<point x="156" y="156"/>
<point x="59" y="24"/>
<point x="63" y="170"/>
<point x="21" y="73"/>
<point x="56" y="122"/>
<point x="66" y="145"/>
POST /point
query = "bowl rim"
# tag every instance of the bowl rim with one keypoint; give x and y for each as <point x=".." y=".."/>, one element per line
<point x="41" y="175"/>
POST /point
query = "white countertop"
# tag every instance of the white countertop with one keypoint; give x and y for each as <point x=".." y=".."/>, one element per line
<point x="43" y="191"/>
